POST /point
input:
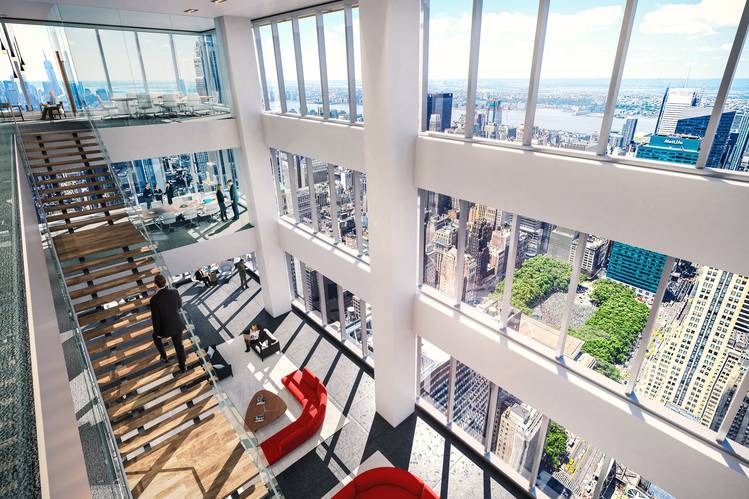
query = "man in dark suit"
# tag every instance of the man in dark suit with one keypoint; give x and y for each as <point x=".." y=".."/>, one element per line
<point x="234" y="197"/>
<point x="167" y="323"/>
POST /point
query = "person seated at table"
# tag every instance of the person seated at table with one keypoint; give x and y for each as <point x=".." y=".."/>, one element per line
<point x="158" y="194"/>
<point x="250" y="335"/>
<point x="169" y="192"/>
<point x="148" y="195"/>
<point x="203" y="276"/>
<point x="221" y="199"/>
<point x="49" y="105"/>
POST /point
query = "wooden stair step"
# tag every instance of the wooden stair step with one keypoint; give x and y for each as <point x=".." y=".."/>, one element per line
<point x="120" y="356"/>
<point x="56" y="155"/>
<point x="58" y="140"/>
<point x="95" y="262"/>
<point x="86" y="194"/>
<point x="66" y="131"/>
<point x="81" y="145"/>
<point x="126" y="386"/>
<point x="106" y="272"/>
<point x="119" y="408"/>
<point x="74" y="161"/>
<point x="79" y="204"/>
<point x="74" y="178"/>
<point x="82" y="213"/>
<point x="116" y="296"/>
<point x="158" y="410"/>
<point x="65" y="171"/>
<point x="90" y="242"/>
<point x="141" y="334"/>
<point x="82" y="185"/>
<point x="84" y="223"/>
<point x="112" y="283"/>
<point x="85" y="320"/>
<point x="127" y="321"/>
<point x="138" y="365"/>
<point x="168" y="425"/>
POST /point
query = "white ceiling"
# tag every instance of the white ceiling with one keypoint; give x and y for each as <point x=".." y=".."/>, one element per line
<point x="147" y="13"/>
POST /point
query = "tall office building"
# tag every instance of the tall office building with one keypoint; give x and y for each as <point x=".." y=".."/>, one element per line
<point x="442" y="105"/>
<point x="494" y="111"/>
<point x="628" y="131"/>
<point x="699" y="359"/>
<point x="682" y="150"/>
<point x="638" y="268"/>
<point x="538" y="235"/>
<point x="693" y="122"/>
<point x="738" y="141"/>
<point x="518" y="435"/>
<point x="675" y="100"/>
<point x="52" y="77"/>
<point x="560" y="242"/>
<point x="594" y="258"/>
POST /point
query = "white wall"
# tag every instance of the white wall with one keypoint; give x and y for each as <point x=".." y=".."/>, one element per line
<point x="190" y="257"/>
<point x="671" y="458"/>
<point x="314" y="138"/>
<point x="698" y="218"/>
<point x="127" y="143"/>
<point x="334" y="263"/>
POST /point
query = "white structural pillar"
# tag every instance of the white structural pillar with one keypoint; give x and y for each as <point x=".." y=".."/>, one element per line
<point x="236" y="42"/>
<point x="390" y="68"/>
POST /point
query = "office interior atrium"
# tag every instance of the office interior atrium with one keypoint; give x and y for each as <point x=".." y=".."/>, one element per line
<point x="374" y="248"/>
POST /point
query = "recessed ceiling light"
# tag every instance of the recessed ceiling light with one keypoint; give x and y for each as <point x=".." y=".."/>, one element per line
<point x="218" y="1"/>
<point x="190" y="11"/>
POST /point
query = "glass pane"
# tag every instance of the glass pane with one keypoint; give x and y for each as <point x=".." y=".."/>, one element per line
<point x="322" y="197"/>
<point x="364" y="218"/>
<point x="573" y="89"/>
<point x="668" y="89"/>
<point x="269" y="60"/>
<point x="157" y="61"/>
<point x="311" y="64"/>
<point x="345" y="188"/>
<point x="41" y="70"/>
<point x="10" y="90"/>
<point x="288" y="62"/>
<point x="471" y="401"/>
<point x="335" y="53"/>
<point x="449" y="46"/>
<point x="623" y="482"/>
<point x="434" y="376"/>
<point x="354" y="308"/>
<point x="91" y="81"/>
<point x="121" y="55"/>
<point x="440" y="241"/>
<point x="303" y="192"/>
<point x="507" y="35"/>
<point x="517" y="435"/>
<point x="357" y="66"/>
<point x="190" y="64"/>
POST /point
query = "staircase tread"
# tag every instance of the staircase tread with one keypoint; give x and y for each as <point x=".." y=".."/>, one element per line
<point x="141" y="334"/>
<point x="74" y="161"/>
<point x="73" y="178"/>
<point x="126" y="386"/>
<point x="85" y="320"/>
<point x="58" y="140"/>
<point x="38" y="157"/>
<point x="84" y="223"/>
<point x="64" y="171"/>
<point x="65" y="131"/>
<point x="79" y="204"/>
<point x="95" y="262"/>
<point x="107" y="271"/>
<point x="86" y="194"/>
<point x="113" y="283"/>
<point x="81" y="145"/>
<point x="90" y="242"/>
<point x="82" y="185"/>
<point x="137" y="366"/>
<point x="124" y="353"/>
<point x="83" y="213"/>
<point x="116" y="296"/>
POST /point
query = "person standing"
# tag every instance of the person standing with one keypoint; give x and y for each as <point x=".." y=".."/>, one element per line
<point x="169" y="192"/>
<point x="167" y="323"/>
<point x="234" y="196"/>
<point x="158" y="194"/>
<point x="148" y="195"/>
<point x="221" y="203"/>
<point x="242" y="271"/>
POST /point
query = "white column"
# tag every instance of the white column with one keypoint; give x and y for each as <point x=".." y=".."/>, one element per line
<point x="235" y="41"/>
<point x="390" y="68"/>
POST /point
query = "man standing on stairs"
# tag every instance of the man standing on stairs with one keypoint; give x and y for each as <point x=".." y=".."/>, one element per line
<point x="167" y="323"/>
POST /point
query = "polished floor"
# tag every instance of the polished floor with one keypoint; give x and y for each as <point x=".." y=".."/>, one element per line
<point x="419" y="444"/>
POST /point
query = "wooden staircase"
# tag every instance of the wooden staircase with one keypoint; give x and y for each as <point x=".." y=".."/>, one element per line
<point x="172" y="437"/>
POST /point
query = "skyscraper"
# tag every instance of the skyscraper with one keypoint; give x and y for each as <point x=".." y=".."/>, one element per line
<point x="700" y="358"/>
<point x="628" y="131"/>
<point x="682" y="149"/>
<point x="639" y="268"/>
<point x="518" y="435"/>
<point x="494" y="111"/>
<point x="693" y="121"/>
<point x="441" y="104"/>
<point x="738" y="141"/>
<point x="52" y="77"/>
<point x="675" y="100"/>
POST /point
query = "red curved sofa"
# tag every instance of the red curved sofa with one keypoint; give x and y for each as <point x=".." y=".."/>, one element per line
<point x="393" y="483"/>
<point x="311" y="393"/>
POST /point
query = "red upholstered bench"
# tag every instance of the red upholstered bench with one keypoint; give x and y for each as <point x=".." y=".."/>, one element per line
<point x="393" y="483"/>
<point x="311" y="393"/>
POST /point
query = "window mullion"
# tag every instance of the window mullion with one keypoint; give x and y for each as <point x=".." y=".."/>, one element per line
<point x="510" y="258"/>
<point x="490" y="419"/>
<point x="320" y="25"/>
<point x="291" y="161"/>
<point x="363" y="325"/>
<point x="349" y="22"/>
<point x="473" y="68"/>
<point x="424" y="64"/>
<point x="582" y="243"/>
<point x="539" y="452"/>
<point x="279" y="67"/>
<point x="460" y="256"/>
<point x="358" y="212"/>
<point x="174" y="60"/>
<point x="140" y="60"/>
<point x="451" y="390"/>
<point x="277" y="179"/>
<point x="341" y="311"/>
<point x="323" y="302"/>
<point x="261" y="66"/>
<point x="639" y="357"/>
<point x="312" y="198"/>
<point x="616" y="75"/>
<point x="608" y="462"/>
<point x="299" y="66"/>
<point x="535" y="76"/>
<point x="104" y="62"/>
<point x="333" y="204"/>
<point x="725" y="87"/>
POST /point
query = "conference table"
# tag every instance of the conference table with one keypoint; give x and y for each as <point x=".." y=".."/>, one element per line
<point x="152" y="216"/>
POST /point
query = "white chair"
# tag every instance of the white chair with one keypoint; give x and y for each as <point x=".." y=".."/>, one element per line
<point x="109" y="107"/>
<point x="225" y="269"/>
<point x="170" y="104"/>
<point x="190" y="214"/>
<point x="194" y="105"/>
<point x="145" y="105"/>
<point x="168" y="220"/>
<point x="211" y="210"/>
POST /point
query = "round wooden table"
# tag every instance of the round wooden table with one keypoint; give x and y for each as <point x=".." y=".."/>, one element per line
<point x="273" y="408"/>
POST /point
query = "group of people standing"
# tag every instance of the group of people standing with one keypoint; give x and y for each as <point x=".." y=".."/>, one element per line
<point x="150" y="194"/>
